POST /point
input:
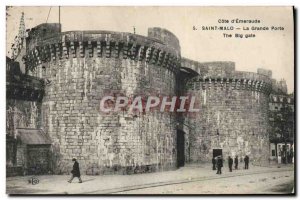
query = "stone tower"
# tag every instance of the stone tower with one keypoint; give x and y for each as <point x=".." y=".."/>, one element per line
<point x="79" y="68"/>
<point x="233" y="117"/>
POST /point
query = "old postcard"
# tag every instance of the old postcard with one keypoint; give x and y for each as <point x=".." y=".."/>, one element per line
<point x="150" y="100"/>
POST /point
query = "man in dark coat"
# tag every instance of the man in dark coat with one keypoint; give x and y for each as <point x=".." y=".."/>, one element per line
<point x="230" y="163"/>
<point x="219" y="164"/>
<point x="246" y="160"/>
<point x="214" y="163"/>
<point x="236" y="162"/>
<point x="75" y="171"/>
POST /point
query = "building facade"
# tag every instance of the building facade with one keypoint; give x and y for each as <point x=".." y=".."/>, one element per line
<point x="282" y="112"/>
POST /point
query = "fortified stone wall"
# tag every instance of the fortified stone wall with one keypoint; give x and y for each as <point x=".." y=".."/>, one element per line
<point x="79" y="68"/>
<point x="233" y="113"/>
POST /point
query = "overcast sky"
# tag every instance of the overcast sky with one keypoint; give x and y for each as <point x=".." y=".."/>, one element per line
<point x="272" y="50"/>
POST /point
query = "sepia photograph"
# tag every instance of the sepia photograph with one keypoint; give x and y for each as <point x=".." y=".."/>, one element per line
<point x="150" y="100"/>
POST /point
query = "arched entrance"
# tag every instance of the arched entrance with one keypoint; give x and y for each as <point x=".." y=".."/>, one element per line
<point x="180" y="148"/>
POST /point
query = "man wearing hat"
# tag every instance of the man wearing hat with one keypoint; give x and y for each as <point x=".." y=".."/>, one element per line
<point x="75" y="172"/>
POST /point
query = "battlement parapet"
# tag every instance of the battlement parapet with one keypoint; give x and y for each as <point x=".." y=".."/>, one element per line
<point x="251" y="76"/>
<point x="166" y="37"/>
<point x="223" y="74"/>
<point x="229" y="83"/>
<point x="265" y="72"/>
<point x="73" y="44"/>
<point x="222" y="70"/>
<point x="217" y="69"/>
<point x="209" y="69"/>
<point x="41" y="32"/>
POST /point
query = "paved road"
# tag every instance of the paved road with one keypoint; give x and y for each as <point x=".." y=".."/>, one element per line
<point x="260" y="183"/>
<point x="197" y="176"/>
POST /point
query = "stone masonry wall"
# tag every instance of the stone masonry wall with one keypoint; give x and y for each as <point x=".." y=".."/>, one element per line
<point x="83" y="67"/>
<point x="233" y="114"/>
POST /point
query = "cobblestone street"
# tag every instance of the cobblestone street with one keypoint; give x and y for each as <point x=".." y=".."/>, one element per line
<point x="193" y="179"/>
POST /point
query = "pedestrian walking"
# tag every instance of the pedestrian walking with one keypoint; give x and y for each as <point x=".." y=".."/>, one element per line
<point x="213" y="160"/>
<point x="230" y="163"/>
<point x="246" y="160"/>
<point x="236" y="162"/>
<point x="219" y="164"/>
<point x="75" y="171"/>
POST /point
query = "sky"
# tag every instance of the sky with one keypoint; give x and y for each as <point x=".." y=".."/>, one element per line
<point x="273" y="50"/>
